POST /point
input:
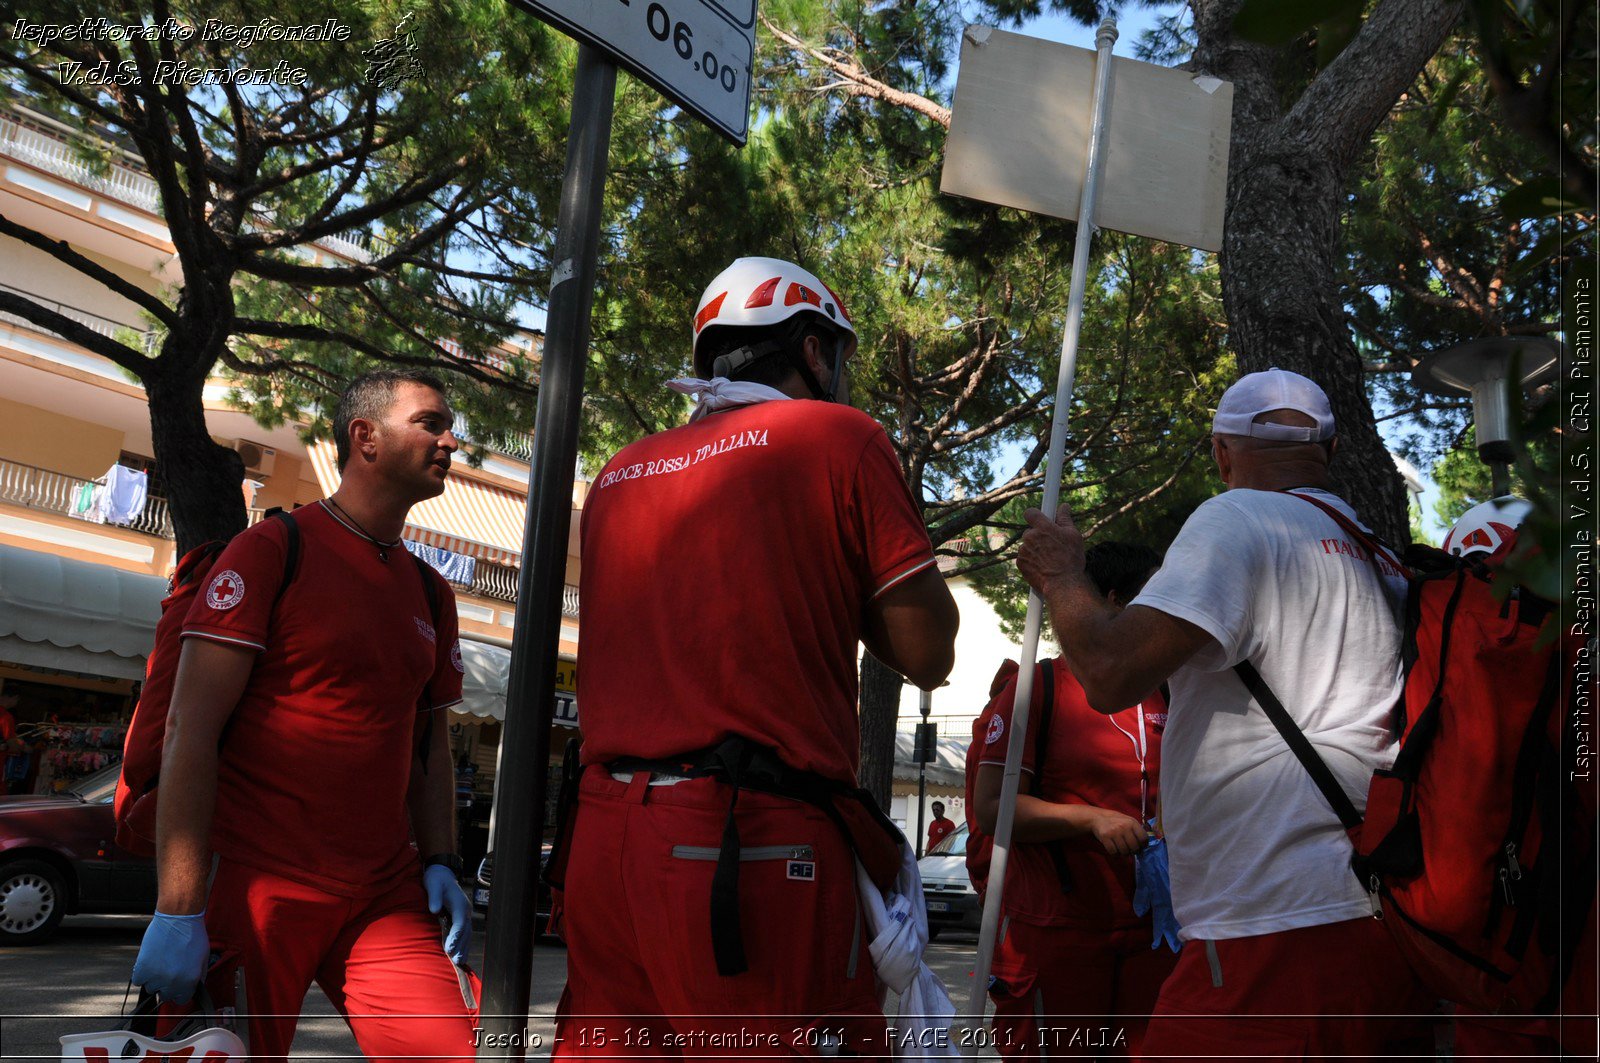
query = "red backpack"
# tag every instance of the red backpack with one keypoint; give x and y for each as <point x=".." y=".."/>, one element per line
<point x="135" y="802"/>
<point x="1476" y="839"/>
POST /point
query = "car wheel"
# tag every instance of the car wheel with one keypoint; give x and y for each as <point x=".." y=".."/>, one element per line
<point x="33" y="901"/>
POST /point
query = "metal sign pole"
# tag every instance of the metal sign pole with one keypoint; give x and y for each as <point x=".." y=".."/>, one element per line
<point x="1104" y="39"/>
<point x="922" y="780"/>
<point x="530" y="691"/>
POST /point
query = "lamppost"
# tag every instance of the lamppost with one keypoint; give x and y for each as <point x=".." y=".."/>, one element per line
<point x="925" y="748"/>
<point x="1484" y="369"/>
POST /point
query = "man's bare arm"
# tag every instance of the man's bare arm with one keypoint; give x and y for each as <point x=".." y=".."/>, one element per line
<point x="911" y="627"/>
<point x="210" y="679"/>
<point x="431" y="794"/>
<point x="1118" y="657"/>
<point x="1038" y="820"/>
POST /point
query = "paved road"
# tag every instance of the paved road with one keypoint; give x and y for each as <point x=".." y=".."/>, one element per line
<point x="75" y="982"/>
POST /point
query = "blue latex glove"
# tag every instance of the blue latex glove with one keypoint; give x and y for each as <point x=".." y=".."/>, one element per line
<point x="445" y="892"/>
<point x="172" y="957"/>
<point x="1152" y="892"/>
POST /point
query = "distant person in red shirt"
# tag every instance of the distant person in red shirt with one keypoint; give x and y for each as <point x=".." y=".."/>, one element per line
<point x="940" y="828"/>
<point x="732" y="568"/>
<point x="329" y="706"/>
<point x="1075" y="970"/>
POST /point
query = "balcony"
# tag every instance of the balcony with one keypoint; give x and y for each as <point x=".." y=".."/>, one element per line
<point x="59" y="493"/>
<point x="148" y="339"/>
<point x="48" y="145"/>
<point x="58" y="148"/>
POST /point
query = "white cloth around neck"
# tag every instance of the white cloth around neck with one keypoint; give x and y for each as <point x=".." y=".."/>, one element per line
<point x="720" y="393"/>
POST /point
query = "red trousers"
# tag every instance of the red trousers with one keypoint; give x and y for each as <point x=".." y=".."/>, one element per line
<point x="378" y="959"/>
<point x="1072" y="991"/>
<point x="1339" y="989"/>
<point x="641" y="974"/>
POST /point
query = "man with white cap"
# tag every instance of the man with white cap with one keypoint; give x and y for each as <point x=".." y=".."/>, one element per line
<point x="1282" y="955"/>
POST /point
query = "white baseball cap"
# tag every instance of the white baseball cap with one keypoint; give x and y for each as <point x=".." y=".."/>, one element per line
<point x="1275" y="389"/>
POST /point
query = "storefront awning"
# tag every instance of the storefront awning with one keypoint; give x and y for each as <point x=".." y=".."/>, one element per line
<point x="76" y="616"/>
<point x="470" y="517"/>
<point x="488" y="672"/>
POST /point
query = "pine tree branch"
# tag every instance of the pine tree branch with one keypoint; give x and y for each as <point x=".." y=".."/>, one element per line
<point x="859" y="82"/>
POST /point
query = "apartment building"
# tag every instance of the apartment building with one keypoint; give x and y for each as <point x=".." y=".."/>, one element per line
<point x="86" y="541"/>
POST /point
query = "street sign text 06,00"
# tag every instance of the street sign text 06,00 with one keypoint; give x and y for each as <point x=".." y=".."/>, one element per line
<point x="697" y="52"/>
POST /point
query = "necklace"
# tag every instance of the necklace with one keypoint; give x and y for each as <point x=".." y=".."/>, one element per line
<point x="344" y="517"/>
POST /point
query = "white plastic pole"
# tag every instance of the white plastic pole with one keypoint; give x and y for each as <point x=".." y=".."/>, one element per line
<point x="1104" y="39"/>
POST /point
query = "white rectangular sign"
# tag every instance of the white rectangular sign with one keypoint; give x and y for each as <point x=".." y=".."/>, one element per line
<point x="1019" y="136"/>
<point x="696" y="52"/>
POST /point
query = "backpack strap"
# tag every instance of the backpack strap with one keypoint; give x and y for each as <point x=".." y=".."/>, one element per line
<point x="1300" y="745"/>
<point x="1041" y="746"/>
<point x="291" y="550"/>
<point x="430" y="590"/>
<point x="1372" y="544"/>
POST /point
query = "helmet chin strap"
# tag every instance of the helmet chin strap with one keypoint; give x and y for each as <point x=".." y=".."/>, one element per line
<point x="840" y="342"/>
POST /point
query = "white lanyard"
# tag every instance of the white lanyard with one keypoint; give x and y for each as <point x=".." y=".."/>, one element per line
<point x="1139" y="753"/>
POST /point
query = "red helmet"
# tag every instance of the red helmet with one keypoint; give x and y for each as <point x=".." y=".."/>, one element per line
<point x="762" y="291"/>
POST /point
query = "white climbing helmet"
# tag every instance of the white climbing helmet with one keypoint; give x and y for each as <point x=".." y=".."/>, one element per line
<point x="1483" y="529"/>
<point x="214" y="1044"/>
<point x="753" y="292"/>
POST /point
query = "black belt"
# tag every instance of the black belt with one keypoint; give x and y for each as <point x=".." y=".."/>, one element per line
<point x="744" y="764"/>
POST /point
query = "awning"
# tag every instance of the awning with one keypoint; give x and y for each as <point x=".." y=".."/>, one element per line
<point x="470" y="517"/>
<point x="76" y="616"/>
<point x="950" y="769"/>
<point x="488" y="673"/>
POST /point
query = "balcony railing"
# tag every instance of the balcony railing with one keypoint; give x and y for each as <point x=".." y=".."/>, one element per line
<point x="55" y="148"/>
<point x="67" y="495"/>
<point x="489" y="578"/>
<point x="56" y="153"/>
<point x="106" y="326"/>
<point x="513" y="444"/>
<point x="58" y="492"/>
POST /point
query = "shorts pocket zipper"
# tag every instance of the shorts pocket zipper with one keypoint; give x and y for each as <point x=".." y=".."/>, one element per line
<point x="748" y="852"/>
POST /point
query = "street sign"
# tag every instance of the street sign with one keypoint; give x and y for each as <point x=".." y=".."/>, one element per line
<point x="1020" y="128"/>
<point x="698" y="53"/>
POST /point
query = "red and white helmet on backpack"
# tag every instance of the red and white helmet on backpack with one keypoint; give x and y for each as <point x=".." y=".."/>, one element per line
<point x="1485" y="527"/>
<point x="756" y="292"/>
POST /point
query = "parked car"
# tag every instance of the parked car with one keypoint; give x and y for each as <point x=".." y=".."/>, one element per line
<point x="59" y="857"/>
<point x="541" y="896"/>
<point x="952" y="902"/>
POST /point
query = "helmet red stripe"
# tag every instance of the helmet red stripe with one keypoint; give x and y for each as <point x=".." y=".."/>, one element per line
<point x="763" y="294"/>
<point x="708" y="312"/>
<point x="799" y="293"/>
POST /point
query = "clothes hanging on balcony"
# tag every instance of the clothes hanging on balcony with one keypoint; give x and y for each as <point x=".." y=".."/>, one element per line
<point x="457" y="568"/>
<point x="83" y="501"/>
<point x="125" y="493"/>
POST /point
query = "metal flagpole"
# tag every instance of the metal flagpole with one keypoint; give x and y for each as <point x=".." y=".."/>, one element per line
<point x="530" y="690"/>
<point x="1104" y="39"/>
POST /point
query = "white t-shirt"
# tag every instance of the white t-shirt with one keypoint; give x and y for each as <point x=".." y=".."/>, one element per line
<point x="1253" y="845"/>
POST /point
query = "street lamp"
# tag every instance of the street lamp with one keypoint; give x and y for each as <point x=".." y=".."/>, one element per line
<point x="1483" y="368"/>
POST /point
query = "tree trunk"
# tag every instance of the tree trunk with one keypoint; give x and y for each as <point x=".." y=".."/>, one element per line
<point x="1284" y="308"/>
<point x="880" y="710"/>
<point x="203" y="478"/>
<point x="1281" y="235"/>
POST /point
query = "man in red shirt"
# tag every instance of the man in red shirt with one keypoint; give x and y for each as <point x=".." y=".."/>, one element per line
<point x="940" y="828"/>
<point x="328" y="704"/>
<point x="732" y="567"/>
<point x="1074" y="969"/>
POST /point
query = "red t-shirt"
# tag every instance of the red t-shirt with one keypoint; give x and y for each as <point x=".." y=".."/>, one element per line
<point x="1092" y="759"/>
<point x="727" y="565"/>
<point x="938" y="830"/>
<point x="317" y="755"/>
